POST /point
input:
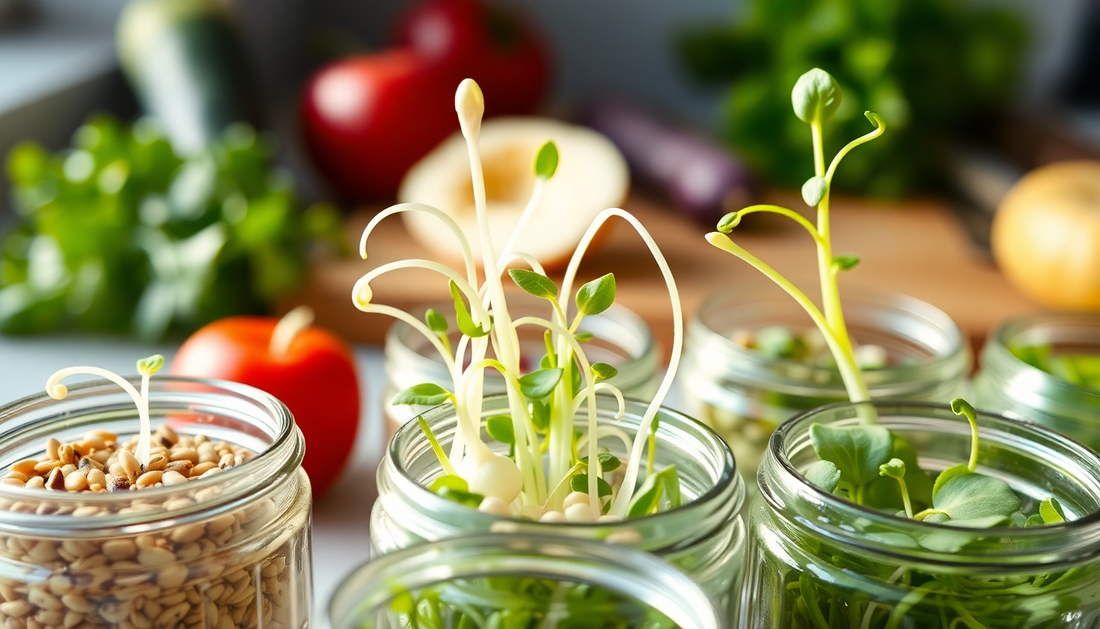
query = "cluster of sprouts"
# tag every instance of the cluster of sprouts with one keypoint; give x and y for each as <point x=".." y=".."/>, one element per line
<point x="552" y="473"/>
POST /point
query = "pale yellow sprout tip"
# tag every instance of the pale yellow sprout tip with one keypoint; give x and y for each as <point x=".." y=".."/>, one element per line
<point x="57" y="391"/>
<point x="469" y="104"/>
<point x="362" y="294"/>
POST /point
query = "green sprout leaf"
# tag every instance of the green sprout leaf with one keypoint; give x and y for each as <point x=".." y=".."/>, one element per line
<point x="583" y="337"/>
<point x="729" y="221"/>
<point x="824" y="474"/>
<point x="846" y="262"/>
<point x="500" y="428"/>
<point x="776" y="341"/>
<point x="974" y="496"/>
<point x="877" y="120"/>
<point x="816" y="97"/>
<point x="1051" y="511"/>
<point x="539" y="384"/>
<point x="894" y="468"/>
<point x="540" y="415"/>
<point x="448" y="481"/>
<point x="813" y="191"/>
<point x="580" y="483"/>
<point x="608" y="462"/>
<point x="604" y="371"/>
<point x="648" y="498"/>
<point x="534" y="283"/>
<point x="467" y="498"/>
<point x="436" y="322"/>
<point x="462" y="315"/>
<point x="857" y="451"/>
<point x="1034" y="520"/>
<point x="596" y="296"/>
<point x="546" y="161"/>
<point x="948" y="474"/>
<point x="426" y="394"/>
<point x="151" y="365"/>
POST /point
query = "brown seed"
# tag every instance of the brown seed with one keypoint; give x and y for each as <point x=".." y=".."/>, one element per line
<point x="202" y="468"/>
<point x="52" y="448"/>
<point x="165" y="431"/>
<point x="183" y="454"/>
<point x="130" y="465"/>
<point x="76" y="481"/>
<point x="226" y="461"/>
<point x="26" y="466"/>
<point x="117" y="483"/>
<point x="180" y="467"/>
<point x="149" y="479"/>
<point x="66" y="454"/>
<point x="56" y="479"/>
<point x="173" y="478"/>
<point x="44" y="467"/>
<point x="155" y="557"/>
<point x="119" y="549"/>
<point x="82" y="448"/>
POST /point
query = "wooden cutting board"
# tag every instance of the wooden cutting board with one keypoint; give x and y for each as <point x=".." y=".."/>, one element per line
<point x="918" y="248"/>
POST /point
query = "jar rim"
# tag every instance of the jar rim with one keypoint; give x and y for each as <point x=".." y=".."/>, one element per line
<point x="728" y="477"/>
<point x="372" y="584"/>
<point x="282" y="456"/>
<point x="853" y="299"/>
<point x="997" y="351"/>
<point x="1084" y="531"/>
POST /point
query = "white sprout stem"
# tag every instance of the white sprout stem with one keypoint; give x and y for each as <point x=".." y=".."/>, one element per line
<point x="514" y="256"/>
<point x="608" y="431"/>
<point x="58" y="391"/>
<point x="602" y="386"/>
<point x="415" y="324"/>
<point x="528" y="211"/>
<point x="622" y="500"/>
<point x="467" y="252"/>
<point x="288" y="328"/>
<point x="586" y="370"/>
<point x="479" y="314"/>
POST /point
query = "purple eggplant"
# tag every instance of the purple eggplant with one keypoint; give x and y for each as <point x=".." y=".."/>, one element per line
<point x="702" y="178"/>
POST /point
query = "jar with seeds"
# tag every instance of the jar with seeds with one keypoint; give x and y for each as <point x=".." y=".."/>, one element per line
<point x="203" y="523"/>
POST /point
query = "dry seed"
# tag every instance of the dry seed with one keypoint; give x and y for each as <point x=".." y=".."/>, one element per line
<point x="150" y="557"/>
<point x="183" y="454"/>
<point x="26" y="466"/>
<point x="76" y="603"/>
<point x="149" y="478"/>
<point x="117" y="483"/>
<point x="165" y="431"/>
<point x="20" y="476"/>
<point x="202" y="468"/>
<point x="97" y="477"/>
<point x="15" y="609"/>
<point x="186" y="534"/>
<point x="171" y="577"/>
<point x="13" y="481"/>
<point x="180" y="467"/>
<point x="45" y="467"/>
<point x="66" y="454"/>
<point x="68" y="468"/>
<point x="37" y="482"/>
<point x="130" y="465"/>
<point x="157" y="461"/>
<point x="56" y="480"/>
<point x="212" y="471"/>
<point x="173" y="478"/>
<point x="76" y="481"/>
<point x="52" y="446"/>
<point x="117" y="549"/>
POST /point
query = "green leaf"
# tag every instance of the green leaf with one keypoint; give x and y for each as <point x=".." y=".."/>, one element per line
<point x="583" y="337"/>
<point x="539" y="384"/>
<point x="604" y="371"/>
<point x="540" y="415"/>
<point x="973" y="496"/>
<point x="729" y="221"/>
<point x="436" y="322"/>
<point x="151" y="365"/>
<point x="776" y="341"/>
<point x="894" y="468"/>
<point x="608" y="462"/>
<point x="1034" y="520"/>
<point x="884" y="493"/>
<point x="579" y="483"/>
<point x="816" y="96"/>
<point x="857" y="451"/>
<point x="1051" y="511"/>
<point x="468" y="498"/>
<point x="813" y="191"/>
<point x="533" y="283"/>
<point x="824" y="474"/>
<point x="500" y="428"/>
<point x="948" y="474"/>
<point x="546" y="161"/>
<point x="596" y="296"/>
<point x="426" y="394"/>
<point x="449" y="481"/>
<point x="846" y="262"/>
<point x="462" y="315"/>
<point x="648" y="498"/>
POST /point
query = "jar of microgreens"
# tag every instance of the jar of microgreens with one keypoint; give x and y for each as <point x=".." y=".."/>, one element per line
<point x="1046" y="367"/>
<point x="212" y="531"/>
<point x="704" y="536"/>
<point x="753" y="359"/>
<point x="617" y="337"/>
<point x="819" y="560"/>
<point x="519" y="581"/>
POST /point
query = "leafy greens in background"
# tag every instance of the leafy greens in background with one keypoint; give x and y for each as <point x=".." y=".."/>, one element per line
<point x="119" y="234"/>
<point x="927" y="66"/>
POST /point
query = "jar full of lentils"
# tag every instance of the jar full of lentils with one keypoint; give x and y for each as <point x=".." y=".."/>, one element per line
<point x="209" y="527"/>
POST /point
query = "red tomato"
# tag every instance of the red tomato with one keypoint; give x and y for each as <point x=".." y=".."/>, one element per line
<point x="315" y="378"/>
<point x="472" y="39"/>
<point x="367" y="119"/>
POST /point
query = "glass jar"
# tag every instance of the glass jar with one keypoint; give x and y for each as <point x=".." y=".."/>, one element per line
<point x="520" y="581"/>
<point x="224" y="551"/>
<point x="1009" y="385"/>
<point x="745" y="395"/>
<point x="818" y="561"/>
<point x="704" y="537"/>
<point x="619" y="338"/>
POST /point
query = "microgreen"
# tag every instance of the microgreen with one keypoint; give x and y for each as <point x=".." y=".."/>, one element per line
<point x="547" y="454"/>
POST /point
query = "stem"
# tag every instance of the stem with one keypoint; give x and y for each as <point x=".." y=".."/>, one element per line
<point x="467" y="253"/>
<point x="59" y="391"/>
<point x="442" y="456"/>
<point x="905" y="498"/>
<point x="288" y="328"/>
<point x="791" y="214"/>
<point x="532" y="204"/>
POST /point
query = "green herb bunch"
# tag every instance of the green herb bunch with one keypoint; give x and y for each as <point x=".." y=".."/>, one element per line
<point x="1082" y="370"/>
<point x="868" y="464"/>
<point x="542" y="468"/>
<point x="118" y="233"/>
<point x="903" y="58"/>
<point x="508" y="602"/>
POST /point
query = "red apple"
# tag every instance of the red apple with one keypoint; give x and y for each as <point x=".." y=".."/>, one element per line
<point x="311" y="370"/>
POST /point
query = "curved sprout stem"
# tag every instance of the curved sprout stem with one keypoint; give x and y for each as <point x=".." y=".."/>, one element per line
<point x="528" y="211"/>
<point x="58" y="391"/>
<point x="479" y="313"/>
<point x="608" y="431"/>
<point x="513" y="256"/>
<point x="603" y="386"/>
<point x="467" y="252"/>
<point x="863" y="139"/>
<point x="791" y="214"/>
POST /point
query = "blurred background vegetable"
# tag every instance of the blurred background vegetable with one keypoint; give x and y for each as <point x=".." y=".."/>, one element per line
<point x="928" y="66"/>
<point x="120" y="234"/>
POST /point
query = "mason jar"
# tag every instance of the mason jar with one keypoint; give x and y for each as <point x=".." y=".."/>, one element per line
<point x="745" y="395"/>
<point x="514" y="580"/>
<point x="225" y="550"/>
<point x="1010" y="385"/>
<point x="619" y="338"/>
<point x="819" y="561"/>
<point x="704" y="537"/>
